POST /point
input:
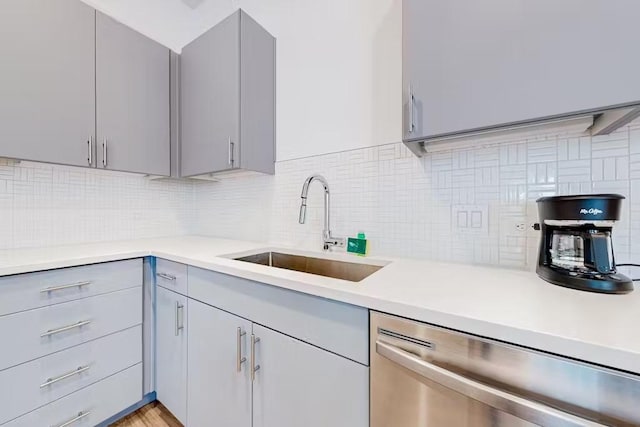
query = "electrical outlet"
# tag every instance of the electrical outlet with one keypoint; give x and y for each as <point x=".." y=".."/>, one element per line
<point x="521" y="226"/>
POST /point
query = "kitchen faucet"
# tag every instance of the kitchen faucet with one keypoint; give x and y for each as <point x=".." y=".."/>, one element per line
<point x="328" y="240"/>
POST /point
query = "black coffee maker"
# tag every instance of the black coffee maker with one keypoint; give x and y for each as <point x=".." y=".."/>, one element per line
<point x="575" y="248"/>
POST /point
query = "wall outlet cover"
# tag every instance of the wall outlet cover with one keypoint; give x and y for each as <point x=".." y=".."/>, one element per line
<point x="470" y="219"/>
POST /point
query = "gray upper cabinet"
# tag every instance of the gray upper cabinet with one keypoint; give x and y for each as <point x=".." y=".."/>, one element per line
<point x="133" y="97"/>
<point x="228" y="99"/>
<point x="469" y="65"/>
<point x="210" y="89"/>
<point x="47" y="93"/>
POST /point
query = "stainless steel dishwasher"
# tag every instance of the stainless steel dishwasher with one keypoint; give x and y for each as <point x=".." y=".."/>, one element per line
<point x="426" y="376"/>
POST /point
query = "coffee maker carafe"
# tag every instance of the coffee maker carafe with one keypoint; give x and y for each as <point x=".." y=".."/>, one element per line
<point x="575" y="248"/>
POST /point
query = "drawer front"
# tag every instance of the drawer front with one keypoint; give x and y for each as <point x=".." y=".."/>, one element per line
<point x="89" y="406"/>
<point x="340" y="328"/>
<point x="172" y="275"/>
<point x="36" y="333"/>
<point x="33" y="290"/>
<point x="36" y="383"/>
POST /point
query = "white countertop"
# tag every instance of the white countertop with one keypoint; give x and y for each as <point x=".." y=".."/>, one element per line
<point x="508" y="305"/>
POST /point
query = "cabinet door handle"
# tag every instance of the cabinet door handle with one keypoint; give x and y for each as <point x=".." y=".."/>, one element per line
<point x="166" y="276"/>
<point x="231" y="150"/>
<point x="74" y="420"/>
<point x="64" y="376"/>
<point x="62" y="287"/>
<point x="254" y="367"/>
<point x="412" y="121"/>
<point x="65" y="328"/>
<point x="239" y="359"/>
<point x="179" y="318"/>
<point x="90" y="151"/>
<point x="104" y="152"/>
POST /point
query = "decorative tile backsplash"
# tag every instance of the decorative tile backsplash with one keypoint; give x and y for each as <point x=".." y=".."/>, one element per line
<point x="49" y="205"/>
<point x="409" y="207"/>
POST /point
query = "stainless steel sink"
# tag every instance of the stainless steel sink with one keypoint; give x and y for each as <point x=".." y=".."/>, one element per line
<point x="351" y="271"/>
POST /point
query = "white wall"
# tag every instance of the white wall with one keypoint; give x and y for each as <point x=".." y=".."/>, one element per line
<point x="339" y="63"/>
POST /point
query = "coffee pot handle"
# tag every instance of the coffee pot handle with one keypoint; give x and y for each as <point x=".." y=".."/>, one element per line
<point x="601" y="253"/>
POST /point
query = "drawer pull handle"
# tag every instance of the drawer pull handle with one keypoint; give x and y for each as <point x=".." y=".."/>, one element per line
<point x="51" y="381"/>
<point x="77" y="418"/>
<point x="166" y="276"/>
<point x="65" y="328"/>
<point x="62" y="287"/>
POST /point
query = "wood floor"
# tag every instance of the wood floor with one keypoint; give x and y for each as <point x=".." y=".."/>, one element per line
<point x="151" y="415"/>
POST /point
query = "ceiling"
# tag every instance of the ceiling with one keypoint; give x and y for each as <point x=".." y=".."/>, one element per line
<point x="173" y="23"/>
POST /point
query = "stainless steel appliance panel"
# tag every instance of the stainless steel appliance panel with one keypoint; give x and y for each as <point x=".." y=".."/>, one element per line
<point x="426" y="376"/>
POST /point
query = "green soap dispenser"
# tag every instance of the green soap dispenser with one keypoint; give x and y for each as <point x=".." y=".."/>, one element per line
<point x="357" y="245"/>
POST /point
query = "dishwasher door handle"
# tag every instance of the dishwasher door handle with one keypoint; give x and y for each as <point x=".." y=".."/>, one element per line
<point x="522" y="408"/>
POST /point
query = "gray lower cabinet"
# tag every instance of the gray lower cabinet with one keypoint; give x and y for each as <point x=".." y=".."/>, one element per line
<point x="219" y="382"/>
<point x="228" y="99"/>
<point x="171" y="351"/>
<point x="301" y="385"/>
<point x="282" y="382"/>
<point x="469" y="65"/>
<point x="257" y="356"/>
<point x="47" y="76"/>
<point x="133" y="97"/>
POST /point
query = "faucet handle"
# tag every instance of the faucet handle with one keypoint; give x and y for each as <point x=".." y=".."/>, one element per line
<point x="339" y="242"/>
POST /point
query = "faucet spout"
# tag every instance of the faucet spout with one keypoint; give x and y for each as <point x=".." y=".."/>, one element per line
<point x="308" y="181"/>
<point x="328" y="239"/>
<point x="305" y="192"/>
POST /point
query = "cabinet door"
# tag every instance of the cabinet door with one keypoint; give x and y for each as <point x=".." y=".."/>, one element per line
<point x="47" y="78"/>
<point x="219" y="382"/>
<point x="171" y="352"/>
<point x="132" y="92"/>
<point x="210" y="98"/>
<point x="302" y="385"/>
<point x="482" y="64"/>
